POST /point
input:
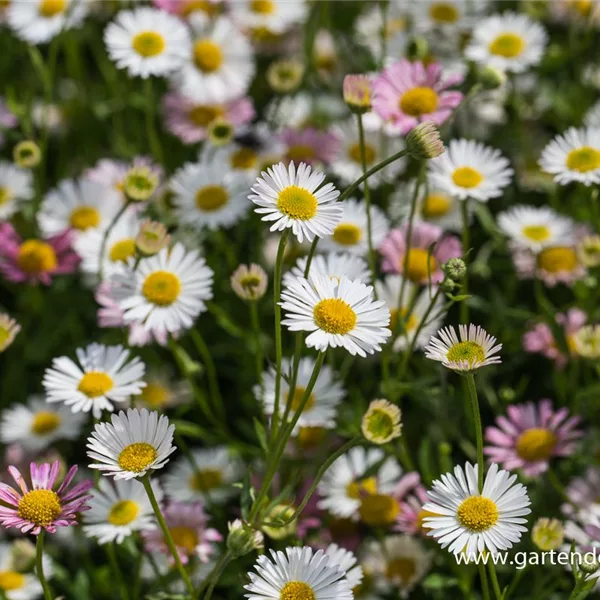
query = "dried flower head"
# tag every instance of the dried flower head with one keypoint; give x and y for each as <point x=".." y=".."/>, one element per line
<point x="151" y="238"/>
<point x="357" y="93"/>
<point x="8" y="331"/>
<point x="548" y="534"/>
<point x="381" y="423"/>
<point x="285" y="75"/>
<point x="140" y="183"/>
<point x="424" y="141"/>
<point x="249" y="282"/>
<point x="27" y="154"/>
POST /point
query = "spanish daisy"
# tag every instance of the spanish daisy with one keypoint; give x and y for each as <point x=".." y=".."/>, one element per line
<point x="118" y="509"/>
<point x="434" y="205"/>
<point x="102" y="375"/>
<point x="146" y="42"/>
<point x="530" y="435"/>
<point x="510" y="42"/>
<point x="446" y="16"/>
<point x="299" y="573"/>
<point x="468" y="521"/>
<point x="132" y="444"/>
<point x="411" y="517"/>
<point x="406" y="94"/>
<point x="265" y="18"/>
<point x="208" y="475"/>
<point x="16" y="185"/>
<point x="583" y="493"/>
<point x="347" y="562"/>
<point x="334" y="265"/>
<point x="309" y="145"/>
<point x="342" y="314"/>
<point x="294" y="197"/>
<point x="469" y="169"/>
<point x="351" y="233"/>
<point x="43" y="508"/>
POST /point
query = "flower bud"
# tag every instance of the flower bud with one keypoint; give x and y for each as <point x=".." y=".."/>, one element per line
<point x="243" y="539"/>
<point x="249" y="282"/>
<point x="381" y="423"/>
<point x="151" y="238"/>
<point x="27" y="154"/>
<point x="548" y="534"/>
<point x="491" y="78"/>
<point x="140" y="183"/>
<point x="588" y="565"/>
<point x="424" y="141"/>
<point x="455" y="269"/>
<point x="357" y="93"/>
<point x="285" y="75"/>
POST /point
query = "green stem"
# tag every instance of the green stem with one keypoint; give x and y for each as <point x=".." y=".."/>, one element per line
<point x="258" y="354"/>
<point x="105" y="238"/>
<point x="484" y="582"/>
<point x="557" y="485"/>
<point x="478" y="428"/>
<point x="494" y="578"/>
<point x="167" y="534"/>
<point x="216" y="574"/>
<point x="151" y="133"/>
<point x="39" y="566"/>
<point x="464" y="307"/>
<point x="114" y="565"/>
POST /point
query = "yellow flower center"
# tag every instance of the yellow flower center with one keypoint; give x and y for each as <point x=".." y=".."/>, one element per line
<point x="36" y="257"/>
<point x="420" y="264"/>
<point x="536" y="444"/>
<point x="244" y="158"/>
<point x="470" y="352"/>
<point x="347" y="234"/>
<point x="137" y="457"/>
<point x="467" y="177"/>
<point x="185" y="538"/>
<point x="203" y="115"/>
<point x="400" y="569"/>
<point x="408" y="324"/>
<point x="206" y="480"/>
<point x="358" y="489"/>
<point x="190" y="6"/>
<point x="444" y="12"/>
<point x="355" y="156"/>
<point x="84" y="217"/>
<point x="211" y="198"/>
<point x="477" y="513"/>
<point x="301" y="153"/>
<point x="123" y="512"/>
<point x="536" y="233"/>
<point x="297" y="203"/>
<point x="95" y="383"/>
<point x="424" y="514"/>
<point x="155" y="395"/>
<point x="208" y="56"/>
<point x="558" y="259"/>
<point x="583" y="159"/>
<point x="122" y="250"/>
<point x="297" y="399"/>
<point x="11" y="580"/>
<point x="262" y="7"/>
<point x="583" y="7"/>
<point x="41" y="507"/>
<point x="378" y="510"/>
<point x="5" y="195"/>
<point x="161" y="288"/>
<point x="418" y="101"/>
<point x="45" y="422"/>
<point x="508" y="45"/>
<point x="297" y="590"/>
<point x="309" y="437"/>
<point x="148" y="43"/>
<point x="435" y="206"/>
<point x="51" y="8"/>
<point x="334" y="316"/>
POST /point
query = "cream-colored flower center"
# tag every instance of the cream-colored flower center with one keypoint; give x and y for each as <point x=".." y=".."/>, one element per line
<point x="51" y="8"/>
<point x="467" y="177"/>
<point x="355" y="156"/>
<point x="334" y="316"/>
<point x="84" y="217"/>
<point x="161" y="288"/>
<point x="148" y="43"/>
<point x="536" y="444"/>
<point x="35" y="256"/>
<point x="583" y="159"/>
<point x="471" y="352"/>
<point x="185" y="538"/>
<point x="95" y="383"/>
<point x="347" y="234"/>
<point x="137" y="457"/>
<point x="122" y="250"/>
<point x="208" y="56"/>
<point x="211" y="198"/>
<point x="155" y="395"/>
<point x="297" y="590"/>
<point x="536" y="233"/>
<point x="205" y="480"/>
<point x="262" y="7"/>
<point x="420" y="264"/>
<point x="418" y="101"/>
<point x="558" y="259"/>
<point x="435" y="206"/>
<point x="477" y="513"/>
<point x="41" y="507"/>
<point x="45" y="422"/>
<point x="244" y="158"/>
<point x="401" y="570"/>
<point x="444" y="12"/>
<point x="508" y="45"/>
<point x="123" y="512"/>
<point x="297" y="203"/>
<point x="11" y="580"/>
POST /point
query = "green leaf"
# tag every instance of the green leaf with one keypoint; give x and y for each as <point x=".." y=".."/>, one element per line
<point x="261" y="434"/>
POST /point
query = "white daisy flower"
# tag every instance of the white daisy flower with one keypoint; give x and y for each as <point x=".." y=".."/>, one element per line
<point x="347" y="562"/>
<point x="102" y="375"/>
<point x="466" y="521"/>
<point x="209" y="195"/>
<point x="38" y="21"/>
<point x="348" y="486"/>
<point x="118" y="249"/>
<point x="147" y="41"/>
<point x="334" y="265"/>
<point x="162" y="392"/>
<point x="37" y="424"/>
<point x="340" y="314"/>
<point x="397" y="564"/>
<point x="219" y="66"/>
<point x="592" y="117"/>
<point x="536" y="228"/>
<point x="321" y="408"/>
<point x="474" y="350"/>
<point x="209" y="476"/>
<point x="14" y="583"/>
<point x="469" y="169"/>
<point x="370" y="26"/>
<point x="446" y="16"/>
<point x="347" y="163"/>
<point x="293" y="197"/>
<point x="166" y="292"/>
<point x="510" y="42"/>
<point x="132" y="444"/>
<point x="351" y="233"/>
<point x="78" y="204"/>
<point x="299" y="573"/>
<point x="118" y="509"/>
<point x="15" y="185"/>
<point x="574" y="156"/>
<point x="273" y="17"/>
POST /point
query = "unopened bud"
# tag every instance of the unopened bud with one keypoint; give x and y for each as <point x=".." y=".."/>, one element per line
<point x="492" y="78"/>
<point x="27" y="154"/>
<point x="357" y="93"/>
<point x="424" y="141"/>
<point x="249" y="282"/>
<point x="285" y="75"/>
<point x="548" y="534"/>
<point x="151" y="238"/>
<point x="243" y="539"/>
<point x="140" y="183"/>
<point x="588" y="565"/>
<point x="455" y="269"/>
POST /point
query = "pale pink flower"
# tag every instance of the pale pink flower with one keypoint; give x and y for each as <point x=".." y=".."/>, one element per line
<point x="112" y="173"/>
<point x="309" y="145"/>
<point x="583" y="493"/>
<point x="410" y="519"/>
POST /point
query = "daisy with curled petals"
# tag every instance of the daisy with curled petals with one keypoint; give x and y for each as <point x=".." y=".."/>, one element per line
<point x="347" y="562"/>
<point x="334" y="265"/>
<point x="342" y="314"/>
<point x="266" y="18"/>
<point x="469" y="169"/>
<point x="406" y="94"/>
<point x="509" y="42"/>
<point x="118" y="509"/>
<point x="474" y="349"/>
<point x="15" y="185"/>
<point x="530" y="435"/>
<point x="146" y="42"/>
<point x="41" y="507"/>
<point x="574" y="156"/>
<point x="166" y="292"/>
<point x="295" y="198"/>
<point x="466" y="521"/>
<point x="132" y="444"/>
<point x="100" y="376"/>
<point x="299" y="573"/>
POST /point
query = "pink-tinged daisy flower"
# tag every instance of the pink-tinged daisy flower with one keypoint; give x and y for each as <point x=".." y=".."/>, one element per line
<point x="530" y="435"/>
<point x="412" y="514"/>
<point x="309" y="145"/>
<point x="421" y="263"/>
<point x="190" y="122"/>
<point x="540" y="339"/>
<point x="185" y="8"/>
<point x="187" y="524"/>
<point x="583" y="493"/>
<point x="35" y="260"/>
<point x="408" y="93"/>
<point x="41" y="507"/>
